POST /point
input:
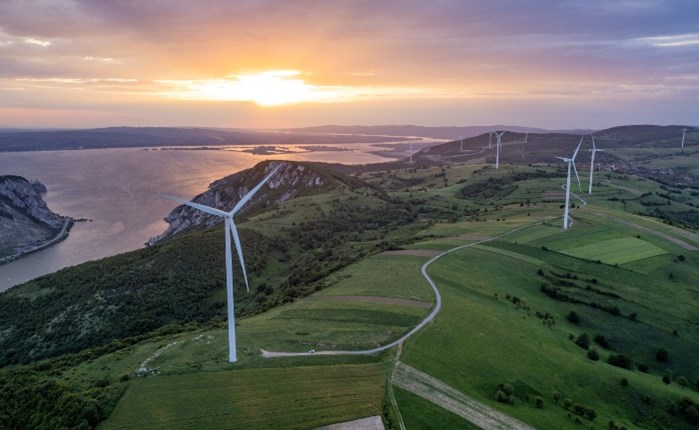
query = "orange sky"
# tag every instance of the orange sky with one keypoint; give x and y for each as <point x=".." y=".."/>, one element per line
<point x="266" y="63"/>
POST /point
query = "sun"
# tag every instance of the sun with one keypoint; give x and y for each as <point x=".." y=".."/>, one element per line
<point x="270" y="88"/>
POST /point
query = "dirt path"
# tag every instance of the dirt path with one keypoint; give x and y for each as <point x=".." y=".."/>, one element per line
<point x="424" y="322"/>
<point x="413" y="252"/>
<point x="657" y="233"/>
<point x="619" y="187"/>
<point x="443" y="395"/>
<point x="369" y="423"/>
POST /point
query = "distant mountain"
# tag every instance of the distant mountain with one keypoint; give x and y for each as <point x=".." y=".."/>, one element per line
<point x="446" y="132"/>
<point x="130" y="137"/>
<point x="26" y="222"/>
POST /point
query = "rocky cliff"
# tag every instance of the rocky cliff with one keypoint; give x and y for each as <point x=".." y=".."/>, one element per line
<point x="293" y="179"/>
<point x="26" y="222"/>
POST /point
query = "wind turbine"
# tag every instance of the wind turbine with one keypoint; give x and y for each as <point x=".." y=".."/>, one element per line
<point x="411" y="152"/>
<point x="684" y="130"/>
<point x="230" y="230"/>
<point x="592" y="162"/>
<point x="490" y="138"/>
<point x="526" y="135"/>
<point x="497" y="148"/>
<point x="571" y="162"/>
<point x="462" y="142"/>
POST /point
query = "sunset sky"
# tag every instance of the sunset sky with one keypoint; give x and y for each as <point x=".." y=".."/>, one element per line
<point x="286" y="63"/>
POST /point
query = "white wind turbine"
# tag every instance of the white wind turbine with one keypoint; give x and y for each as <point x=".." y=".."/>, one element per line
<point x="571" y="162"/>
<point x="592" y="162"/>
<point x="462" y="143"/>
<point x="411" y="152"/>
<point x="497" y="148"/>
<point x="490" y="138"/>
<point x="684" y="130"/>
<point x="230" y="229"/>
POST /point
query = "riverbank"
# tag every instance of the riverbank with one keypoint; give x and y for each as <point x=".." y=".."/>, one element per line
<point x="60" y="236"/>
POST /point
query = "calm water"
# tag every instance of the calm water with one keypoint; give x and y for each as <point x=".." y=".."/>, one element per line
<point x="116" y="188"/>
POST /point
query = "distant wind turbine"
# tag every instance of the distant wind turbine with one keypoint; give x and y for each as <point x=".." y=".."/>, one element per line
<point x="490" y="138"/>
<point x="230" y="230"/>
<point x="411" y="152"/>
<point x="571" y="162"/>
<point x="526" y="135"/>
<point x="462" y="142"/>
<point x="684" y="130"/>
<point x="497" y="148"/>
<point x="592" y="162"/>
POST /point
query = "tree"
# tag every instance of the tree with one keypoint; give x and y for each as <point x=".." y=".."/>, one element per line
<point x="590" y="413"/>
<point x="556" y="396"/>
<point x="592" y="354"/>
<point x="620" y="360"/>
<point x="666" y="377"/>
<point x="682" y="382"/>
<point x="583" y="341"/>
<point x="662" y="355"/>
<point x="573" y="318"/>
<point x="539" y="402"/>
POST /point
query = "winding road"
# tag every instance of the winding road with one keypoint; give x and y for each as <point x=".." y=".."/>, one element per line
<point x="424" y="322"/>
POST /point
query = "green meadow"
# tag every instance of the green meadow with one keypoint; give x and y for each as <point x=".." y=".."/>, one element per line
<point x="518" y="301"/>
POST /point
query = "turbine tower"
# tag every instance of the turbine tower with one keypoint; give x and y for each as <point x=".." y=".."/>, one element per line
<point x="497" y="148"/>
<point x="571" y="162"/>
<point x="490" y="138"/>
<point x="684" y="130"/>
<point x="230" y="230"/>
<point x="592" y="162"/>
<point x="462" y="142"/>
<point x="411" y="152"/>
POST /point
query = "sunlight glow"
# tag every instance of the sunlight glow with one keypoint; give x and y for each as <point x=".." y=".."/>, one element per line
<point x="272" y="88"/>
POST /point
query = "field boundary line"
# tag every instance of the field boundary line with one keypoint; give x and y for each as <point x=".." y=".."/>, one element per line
<point x="453" y="400"/>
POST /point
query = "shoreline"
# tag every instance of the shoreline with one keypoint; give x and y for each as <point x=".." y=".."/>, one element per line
<point x="60" y="236"/>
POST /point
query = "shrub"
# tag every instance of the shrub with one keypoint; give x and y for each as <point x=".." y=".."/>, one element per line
<point x="624" y="382"/>
<point x="602" y="341"/>
<point x="666" y="377"/>
<point x="583" y="341"/>
<point x="592" y="354"/>
<point x="539" y="402"/>
<point x="567" y="403"/>
<point x="662" y="355"/>
<point x="682" y="382"/>
<point x="620" y="360"/>
<point x="556" y="396"/>
<point x="590" y="413"/>
<point x="579" y="409"/>
<point x="643" y="368"/>
<point x="573" y="318"/>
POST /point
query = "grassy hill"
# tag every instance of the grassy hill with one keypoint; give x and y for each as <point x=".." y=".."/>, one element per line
<point x="520" y="312"/>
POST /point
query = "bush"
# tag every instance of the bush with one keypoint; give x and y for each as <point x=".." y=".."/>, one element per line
<point x="539" y="402"/>
<point x="667" y="379"/>
<point x="556" y="396"/>
<point x="624" y="382"/>
<point x="682" y="382"/>
<point x="592" y="354"/>
<point x="620" y="360"/>
<point x="567" y="403"/>
<point x="590" y="413"/>
<point x="602" y="341"/>
<point x="583" y="341"/>
<point x="662" y="355"/>
<point x="573" y="318"/>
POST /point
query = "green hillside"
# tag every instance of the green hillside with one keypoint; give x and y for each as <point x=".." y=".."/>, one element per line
<point x="523" y="308"/>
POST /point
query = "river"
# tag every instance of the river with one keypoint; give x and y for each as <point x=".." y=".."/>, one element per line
<point x="116" y="189"/>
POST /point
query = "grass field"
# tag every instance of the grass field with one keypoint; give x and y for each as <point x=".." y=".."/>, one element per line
<point x="253" y="399"/>
<point x="616" y="251"/>
<point x="480" y="339"/>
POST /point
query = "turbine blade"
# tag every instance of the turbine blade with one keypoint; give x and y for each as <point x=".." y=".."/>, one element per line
<point x="212" y="211"/>
<point x="252" y="192"/>
<point x="593" y="141"/>
<point x="239" y="248"/>
<point x="563" y="158"/>
<point x="576" y="175"/>
<point x="577" y="149"/>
